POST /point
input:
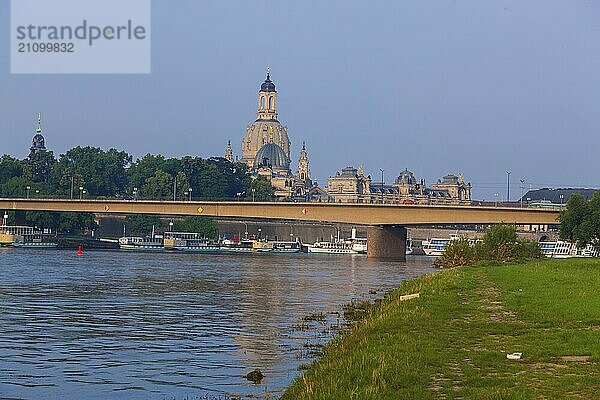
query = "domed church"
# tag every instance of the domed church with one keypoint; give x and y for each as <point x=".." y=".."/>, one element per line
<point x="266" y="149"/>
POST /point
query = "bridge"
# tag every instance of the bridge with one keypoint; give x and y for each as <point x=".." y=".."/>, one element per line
<point x="386" y="223"/>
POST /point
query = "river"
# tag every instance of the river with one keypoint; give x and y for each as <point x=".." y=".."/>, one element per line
<point x="173" y="326"/>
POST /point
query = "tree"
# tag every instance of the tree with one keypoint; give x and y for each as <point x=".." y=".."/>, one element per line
<point x="580" y="221"/>
<point x="38" y="166"/>
<point x="76" y="222"/>
<point x="10" y="168"/>
<point x="261" y="190"/>
<point x="143" y="224"/>
<point x="203" y="225"/>
<point x="159" y="186"/>
<point x="100" y="173"/>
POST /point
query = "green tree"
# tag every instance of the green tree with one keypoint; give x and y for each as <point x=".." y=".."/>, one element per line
<point x="10" y="168"/>
<point x="580" y="221"/>
<point x="203" y="225"/>
<point x="37" y="167"/>
<point x="76" y="222"/>
<point x="100" y="173"/>
<point x="260" y="190"/>
<point x="142" y="224"/>
<point x="159" y="186"/>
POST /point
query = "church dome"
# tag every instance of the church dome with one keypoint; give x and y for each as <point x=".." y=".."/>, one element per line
<point x="406" y="178"/>
<point x="273" y="156"/>
<point x="267" y="85"/>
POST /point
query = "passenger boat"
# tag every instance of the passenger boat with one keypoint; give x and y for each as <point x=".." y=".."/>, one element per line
<point x="137" y="243"/>
<point x="231" y="246"/>
<point x="25" y="237"/>
<point x="189" y="242"/>
<point x="338" y="247"/>
<point x="561" y="249"/>
<point x="437" y="246"/>
<point x="285" y="247"/>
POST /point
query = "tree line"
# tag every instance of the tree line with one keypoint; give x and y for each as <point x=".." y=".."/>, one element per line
<point x="93" y="173"/>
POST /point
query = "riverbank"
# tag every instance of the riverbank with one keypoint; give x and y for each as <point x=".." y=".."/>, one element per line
<point x="453" y="340"/>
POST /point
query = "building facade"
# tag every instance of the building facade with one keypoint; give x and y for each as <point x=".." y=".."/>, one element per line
<point x="352" y="186"/>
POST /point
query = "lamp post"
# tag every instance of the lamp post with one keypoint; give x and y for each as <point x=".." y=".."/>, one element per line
<point x="37" y="193"/>
<point x="28" y="189"/>
<point x="253" y="192"/>
<point x="135" y="193"/>
<point x="259" y="231"/>
<point x="507" y="186"/>
<point x="562" y="196"/>
<point x="171" y="226"/>
<point x="80" y="192"/>
<point x="190" y="193"/>
<point x="175" y="188"/>
<point x="246" y="231"/>
<point x="72" y="186"/>
<point x="496" y="196"/>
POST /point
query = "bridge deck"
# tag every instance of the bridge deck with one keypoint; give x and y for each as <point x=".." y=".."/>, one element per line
<point x="359" y="214"/>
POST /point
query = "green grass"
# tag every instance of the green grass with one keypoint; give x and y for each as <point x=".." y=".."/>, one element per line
<point x="452" y="342"/>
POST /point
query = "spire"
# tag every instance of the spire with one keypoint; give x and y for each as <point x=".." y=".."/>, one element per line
<point x="303" y="145"/>
<point x="229" y="152"/>
<point x="39" y="125"/>
<point x="268" y="73"/>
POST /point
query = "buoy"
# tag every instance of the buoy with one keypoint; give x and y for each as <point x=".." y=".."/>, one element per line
<point x="79" y="251"/>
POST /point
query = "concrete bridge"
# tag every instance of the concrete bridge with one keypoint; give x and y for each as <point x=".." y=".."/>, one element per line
<point x="386" y="223"/>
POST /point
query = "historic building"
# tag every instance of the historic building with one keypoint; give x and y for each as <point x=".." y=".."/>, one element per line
<point x="39" y="143"/>
<point x="266" y="127"/>
<point x="352" y="186"/>
<point x="266" y="150"/>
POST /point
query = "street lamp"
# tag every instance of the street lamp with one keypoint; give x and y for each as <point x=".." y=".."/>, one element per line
<point x="80" y="192"/>
<point x="37" y="192"/>
<point x="190" y="193"/>
<point x="259" y="231"/>
<point x="28" y="189"/>
<point x="507" y="186"/>
<point x="496" y="196"/>
<point x="253" y="192"/>
<point x="246" y="231"/>
<point x="562" y="196"/>
<point x="382" y="183"/>
<point x="171" y="226"/>
<point x="135" y="193"/>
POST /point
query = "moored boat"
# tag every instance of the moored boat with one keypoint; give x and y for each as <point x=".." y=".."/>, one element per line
<point x="437" y="246"/>
<point x="562" y="249"/>
<point x="137" y="243"/>
<point x="285" y="247"/>
<point x="189" y="242"/>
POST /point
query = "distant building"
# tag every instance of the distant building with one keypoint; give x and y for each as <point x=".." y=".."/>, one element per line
<point x="351" y="186"/>
<point x="555" y="196"/>
<point x="266" y="151"/>
<point x="38" y="143"/>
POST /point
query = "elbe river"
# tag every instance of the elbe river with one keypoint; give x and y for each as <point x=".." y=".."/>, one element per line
<point x="119" y="325"/>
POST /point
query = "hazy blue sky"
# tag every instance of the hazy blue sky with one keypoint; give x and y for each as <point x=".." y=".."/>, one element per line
<point x="438" y="87"/>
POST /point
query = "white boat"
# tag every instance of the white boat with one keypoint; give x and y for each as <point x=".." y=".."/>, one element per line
<point x="340" y="247"/>
<point x="285" y="247"/>
<point x="25" y="237"/>
<point x="562" y="249"/>
<point x="437" y="246"/>
<point x="141" y="243"/>
<point x="189" y="242"/>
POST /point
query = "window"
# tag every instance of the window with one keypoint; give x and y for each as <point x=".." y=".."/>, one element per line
<point x="270" y="103"/>
<point x="262" y="101"/>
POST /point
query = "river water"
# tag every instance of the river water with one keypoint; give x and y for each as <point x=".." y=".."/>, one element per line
<point x="173" y="326"/>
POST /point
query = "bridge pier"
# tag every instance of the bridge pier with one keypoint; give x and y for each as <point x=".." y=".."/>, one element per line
<point x="386" y="242"/>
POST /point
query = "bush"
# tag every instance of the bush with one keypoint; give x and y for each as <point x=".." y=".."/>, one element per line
<point x="501" y="243"/>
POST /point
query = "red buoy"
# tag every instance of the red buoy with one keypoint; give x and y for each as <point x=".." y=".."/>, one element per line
<point x="79" y="251"/>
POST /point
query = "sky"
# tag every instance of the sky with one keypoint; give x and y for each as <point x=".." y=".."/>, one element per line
<point x="438" y="87"/>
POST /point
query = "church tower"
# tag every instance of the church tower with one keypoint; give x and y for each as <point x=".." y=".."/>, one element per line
<point x="39" y="143"/>
<point x="303" y="172"/>
<point x="266" y="125"/>
<point x="229" y="152"/>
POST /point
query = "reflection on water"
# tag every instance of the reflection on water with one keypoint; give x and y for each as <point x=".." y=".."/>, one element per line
<point x="156" y="326"/>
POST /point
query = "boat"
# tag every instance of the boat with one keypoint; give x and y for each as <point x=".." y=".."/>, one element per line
<point x="189" y="242"/>
<point x="25" y="237"/>
<point x="138" y="243"/>
<point x="233" y="246"/>
<point x="562" y="249"/>
<point x="337" y="247"/>
<point x="437" y="246"/>
<point x="286" y="247"/>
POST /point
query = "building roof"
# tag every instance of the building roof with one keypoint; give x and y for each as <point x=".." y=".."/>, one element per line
<point x="272" y="156"/>
<point x="267" y="85"/>
<point x="406" y="178"/>
<point x="553" y="195"/>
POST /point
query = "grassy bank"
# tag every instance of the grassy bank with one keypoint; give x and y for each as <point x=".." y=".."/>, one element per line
<point x="452" y="341"/>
